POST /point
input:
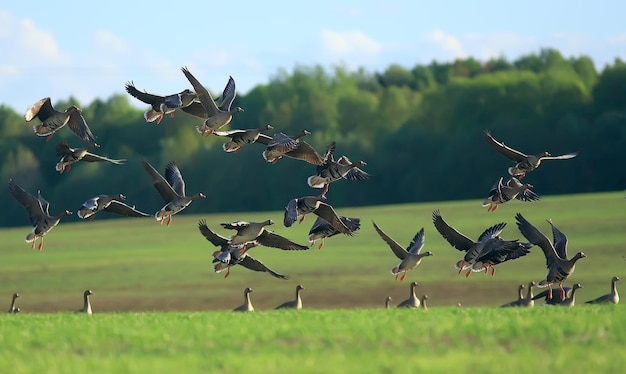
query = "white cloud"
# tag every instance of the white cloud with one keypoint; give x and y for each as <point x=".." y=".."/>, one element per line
<point x="109" y="42"/>
<point x="348" y="42"/>
<point x="446" y="43"/>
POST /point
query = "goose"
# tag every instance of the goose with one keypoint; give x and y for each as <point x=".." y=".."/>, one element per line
<point x="108" y="203"/>
<point x="488" y="242"/>
<point x="423" y="302"/>
<point x="293" y="304"/>
<point x="492" y="255"/>
<point x="524" y="163"/>
<point x="301" y="206"/>
<point x="239" y="138"/>
<point x="612" y="297"/>
<point x="529" y="301"/>
<point x="38" y="213"/>
<point x="247" y="304"/>
<point x="161" y="105"/>
<point x="53" y="120"/>
<point x="86" y="303"/>
<point x="410" y="257"/>
<point x="559" y="266"/>
<point x="71" y="155"/>
<point x="550" y="299"/>
<point x="13" y="308"/>
<point x="172" y="190"/>
<point x="322" y="229"/>
<point x="255" y="232"/>
<point x="413" y="301"/>
<point x="388" y="301"/>
<point x="331" y="171"/>
<point x="214" y="117"/>
<point x="519" y="300"/>
<point x="569" y="301"/>
<point x="501" y="193"/>
<point x="227" y="257"/>
<point x="290" y="146"/>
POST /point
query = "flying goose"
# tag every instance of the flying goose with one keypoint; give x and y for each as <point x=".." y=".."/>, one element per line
<point x="71" y="155"/>
<point x="413" y="301"/>
<point x="489" y="242"/>
<point x="37" y="209"/>
<point x="161" y="105"/>
<point x="612" y="297"/>
<point x="559" y="266"/>
<point x="293" y="304"/>
<point x="247" y="304"/>
<point x="255" y="232"/>
<point x="108" y="203"/>
<point x="300" y="207"/>
<point x="53" y="120"/>
<point x="409" y="257"/>
<point x="239" y="138"/>
<point x="290" y="146"/>
<point x="322" y="229"/>
<point x="524" y="163"/>
<point x="519" y="300"/>
<point x="214" y="117"/>
<point x="13" y="308"/>
<point x="172" y="190"/>
<point x="501" y="193"/>
<point x="228" y="257"/>
<point x="331" y="171"/>
<point x="491" y="255"/>
<point x="86" y="303"/>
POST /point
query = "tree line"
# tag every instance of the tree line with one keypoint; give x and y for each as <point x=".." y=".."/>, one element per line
<point x="419" y="129"/>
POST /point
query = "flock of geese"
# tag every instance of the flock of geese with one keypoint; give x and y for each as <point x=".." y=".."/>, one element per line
<point x="479" y="255"/>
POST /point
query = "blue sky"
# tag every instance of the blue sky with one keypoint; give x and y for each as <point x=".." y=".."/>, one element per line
<point x="90" y="49"/>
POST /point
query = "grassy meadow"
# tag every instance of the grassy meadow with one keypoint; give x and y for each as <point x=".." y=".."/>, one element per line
<point x="158" y="306"/>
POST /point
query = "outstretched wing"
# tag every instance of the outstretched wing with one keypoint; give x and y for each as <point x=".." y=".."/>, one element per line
<point x="455" y="238"/>
<point x="507" y="151"/>
<point x="397" y="249"/>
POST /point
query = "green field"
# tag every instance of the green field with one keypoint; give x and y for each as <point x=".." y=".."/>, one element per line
<point x="138" y="270"/>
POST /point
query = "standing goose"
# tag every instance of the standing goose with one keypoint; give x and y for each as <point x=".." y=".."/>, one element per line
<point x="71" y="155"/>
<point x="559" y="267"/>
<point x="280" y="145"/>
<point x="331" y="171"/>
<point x="161" y="105"/>
<point x="550" y="299"/>
<point x="520" y="298"/>
<point x="108" y="203"/>
<point x="247" y="304"/>
<point x="52" y="120"/>
<point x="293" y="304"/>
<point x="300" y="207"/>
<point x="172" y="190"/>
<point x="612" y="297"/>
<point x="524" y="163"/>
<point x="413" y="301"/>
<point x="86" y="303"/>
<point x="255" y="232"/>
<point x="513" y="189"/>
<point x="409" y="257"/>
<point x="227" y="256"/>
<point x="388" y="300"/>
<point x="13" y="308"/>
<point x="423" y="301"/>
<point x="567" y="301"/>
<point x="488" y="242"/>
<point x="322" y="229"/>
<point x="239" y="138"/>
<point x="529" y="301"/>
<point x="214" y="117"/>
<point x="37" y="209"/>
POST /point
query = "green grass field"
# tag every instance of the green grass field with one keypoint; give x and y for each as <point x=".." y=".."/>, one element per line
<point x="158" y="306"/>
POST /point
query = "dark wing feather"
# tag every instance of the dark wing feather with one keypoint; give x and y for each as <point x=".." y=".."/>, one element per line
<point x="397" y="249"/>
<point x="304" y="151"/>
<point x="42" y="109"/>
<point x="356" y="174"/>
<point x="560" y="241"/>
<point x="270" y="239"/>
<point x="79" y="126"/>
<point x="455" y="238"/>
<point x="291" y="213"/>
<point x="228" y="95"/>
<point x="163" y="187"/>
<point x="492" y="232"/>
<point x="175" y="178"/>
<point x="256" y="265"/>
<point x="507" y="151"/>
<point x="203" y="94"/>
<point x="121" y="208"/>
<point x="215" y="239"/>
<point x="146" y="97"/>
<point x="63" y="149"/>
<point x="328" y="213"/>
<point x="536" y="237"/>
<point x="28" y="201"/>
<point x="196" y="109"/>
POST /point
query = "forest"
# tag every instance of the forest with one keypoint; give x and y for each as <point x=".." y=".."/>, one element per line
<point x="420" y="130"/>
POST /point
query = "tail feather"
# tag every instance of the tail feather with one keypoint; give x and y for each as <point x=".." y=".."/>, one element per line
<point x="316" y="181"/>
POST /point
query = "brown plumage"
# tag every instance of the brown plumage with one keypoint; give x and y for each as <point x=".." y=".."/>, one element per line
<point x="247" y="303"/>
<point x="611" y="297"/>
<point x="295" y="303"/>
<point x="52" y="120"/>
